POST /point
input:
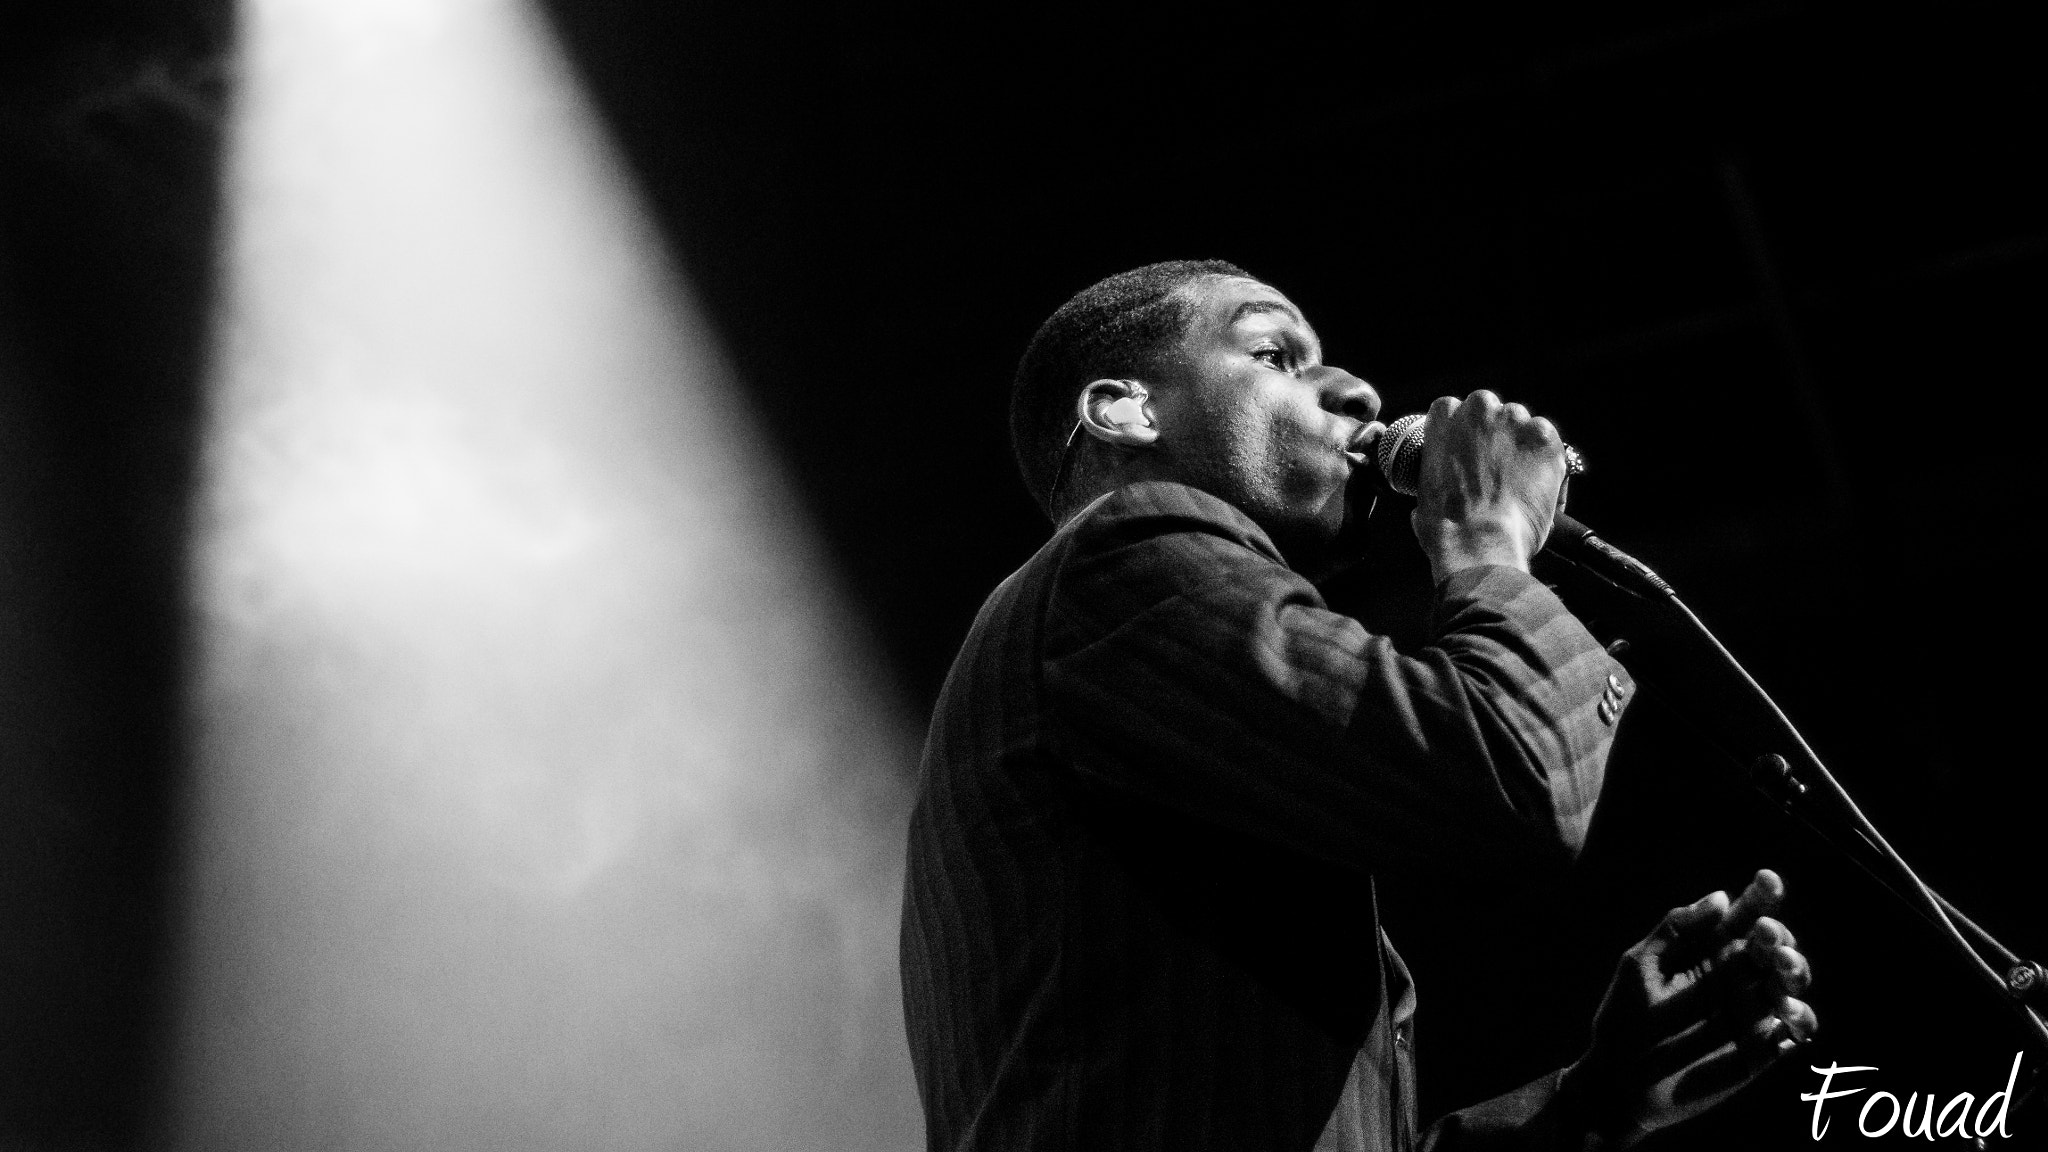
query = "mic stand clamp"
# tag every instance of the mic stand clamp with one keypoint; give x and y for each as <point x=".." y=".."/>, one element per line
<point x="1773" y="776"/>
<point x="2027" y="982"/>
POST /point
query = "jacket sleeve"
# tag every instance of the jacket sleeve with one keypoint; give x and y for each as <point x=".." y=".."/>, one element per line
<point x="1186" y="666"/>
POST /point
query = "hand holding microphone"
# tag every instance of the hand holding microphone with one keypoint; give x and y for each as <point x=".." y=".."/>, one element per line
<point x="1490" y="459"/>
<point x="1486" y="480"/>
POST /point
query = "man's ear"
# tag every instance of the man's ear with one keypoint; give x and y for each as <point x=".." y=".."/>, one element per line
<point x="1114" y="412"/>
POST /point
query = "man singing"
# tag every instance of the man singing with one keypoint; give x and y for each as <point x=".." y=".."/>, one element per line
<point x="1162" y="774"/>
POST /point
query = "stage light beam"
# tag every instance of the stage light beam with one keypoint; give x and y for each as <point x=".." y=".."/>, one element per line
<point x="543" y="796"/>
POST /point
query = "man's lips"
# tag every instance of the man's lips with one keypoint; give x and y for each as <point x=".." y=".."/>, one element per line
<point x="1360" y="447"/>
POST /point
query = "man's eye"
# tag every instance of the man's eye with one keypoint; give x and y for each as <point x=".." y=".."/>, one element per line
<point x="1277" y="357"/>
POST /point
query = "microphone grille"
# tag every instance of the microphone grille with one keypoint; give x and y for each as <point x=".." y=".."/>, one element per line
<point x="1398" y="453"/>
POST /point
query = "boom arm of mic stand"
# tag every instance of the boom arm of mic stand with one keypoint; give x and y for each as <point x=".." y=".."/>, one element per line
<point x="1684" y="663"/>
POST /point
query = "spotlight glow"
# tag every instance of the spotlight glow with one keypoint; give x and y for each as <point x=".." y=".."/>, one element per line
<point x="542" y="799"/>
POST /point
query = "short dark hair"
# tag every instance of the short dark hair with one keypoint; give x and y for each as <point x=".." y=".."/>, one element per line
<point x="1122" y="326"/>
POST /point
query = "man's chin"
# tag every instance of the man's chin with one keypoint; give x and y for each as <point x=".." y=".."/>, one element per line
<point x="1333" y="536"/>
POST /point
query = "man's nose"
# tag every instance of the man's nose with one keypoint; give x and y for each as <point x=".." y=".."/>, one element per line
<point x="1347" y="395"/>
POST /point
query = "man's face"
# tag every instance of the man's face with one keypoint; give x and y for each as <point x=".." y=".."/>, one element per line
<point x="1251" y="413"/>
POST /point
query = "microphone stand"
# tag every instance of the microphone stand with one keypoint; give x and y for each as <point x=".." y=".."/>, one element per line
<point x="1669" y="647"/>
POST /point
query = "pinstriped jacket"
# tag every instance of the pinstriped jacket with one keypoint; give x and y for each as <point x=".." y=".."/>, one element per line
<point x="1137" y="913"/>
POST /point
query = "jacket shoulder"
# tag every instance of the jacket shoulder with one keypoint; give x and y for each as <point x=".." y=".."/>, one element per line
<point x="1153" y="509"/>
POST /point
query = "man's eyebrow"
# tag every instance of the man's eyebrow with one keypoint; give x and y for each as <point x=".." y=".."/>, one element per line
<point x="1255" y="307"/>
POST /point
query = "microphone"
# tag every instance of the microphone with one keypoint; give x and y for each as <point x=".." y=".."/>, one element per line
<point x="1398" y="455"/>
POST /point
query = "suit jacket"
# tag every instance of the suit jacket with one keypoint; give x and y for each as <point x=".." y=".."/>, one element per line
<point x="1160" y="775"/>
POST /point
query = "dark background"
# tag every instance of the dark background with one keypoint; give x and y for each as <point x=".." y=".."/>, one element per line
<point x="1777" y="270"/>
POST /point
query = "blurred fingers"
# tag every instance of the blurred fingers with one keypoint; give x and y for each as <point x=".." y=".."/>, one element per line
<point x="1727" y="990"/>
<point x="1761" y="1033"/>
<point x="1768" y="1026"/>
<point x="1767" y="932"/>
<point x="1765" y="892"/>
<point x="1694" y="921"/>
<point x="1682" y="939"/>
<point x="1800" y="1022"/>
<point x="1755" y="1032"/>
<point x="1788" y="970"/>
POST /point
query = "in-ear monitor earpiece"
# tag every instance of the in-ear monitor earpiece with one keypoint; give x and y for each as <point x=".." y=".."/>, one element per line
<point x="1127" y="411"/>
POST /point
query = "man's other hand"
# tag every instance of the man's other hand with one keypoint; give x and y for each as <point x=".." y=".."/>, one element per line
<point x="1488" y="486"/>
<point x="1697" y="1010"/>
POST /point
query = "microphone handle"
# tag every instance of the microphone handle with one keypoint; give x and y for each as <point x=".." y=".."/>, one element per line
<point x="1576" y="542"/>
